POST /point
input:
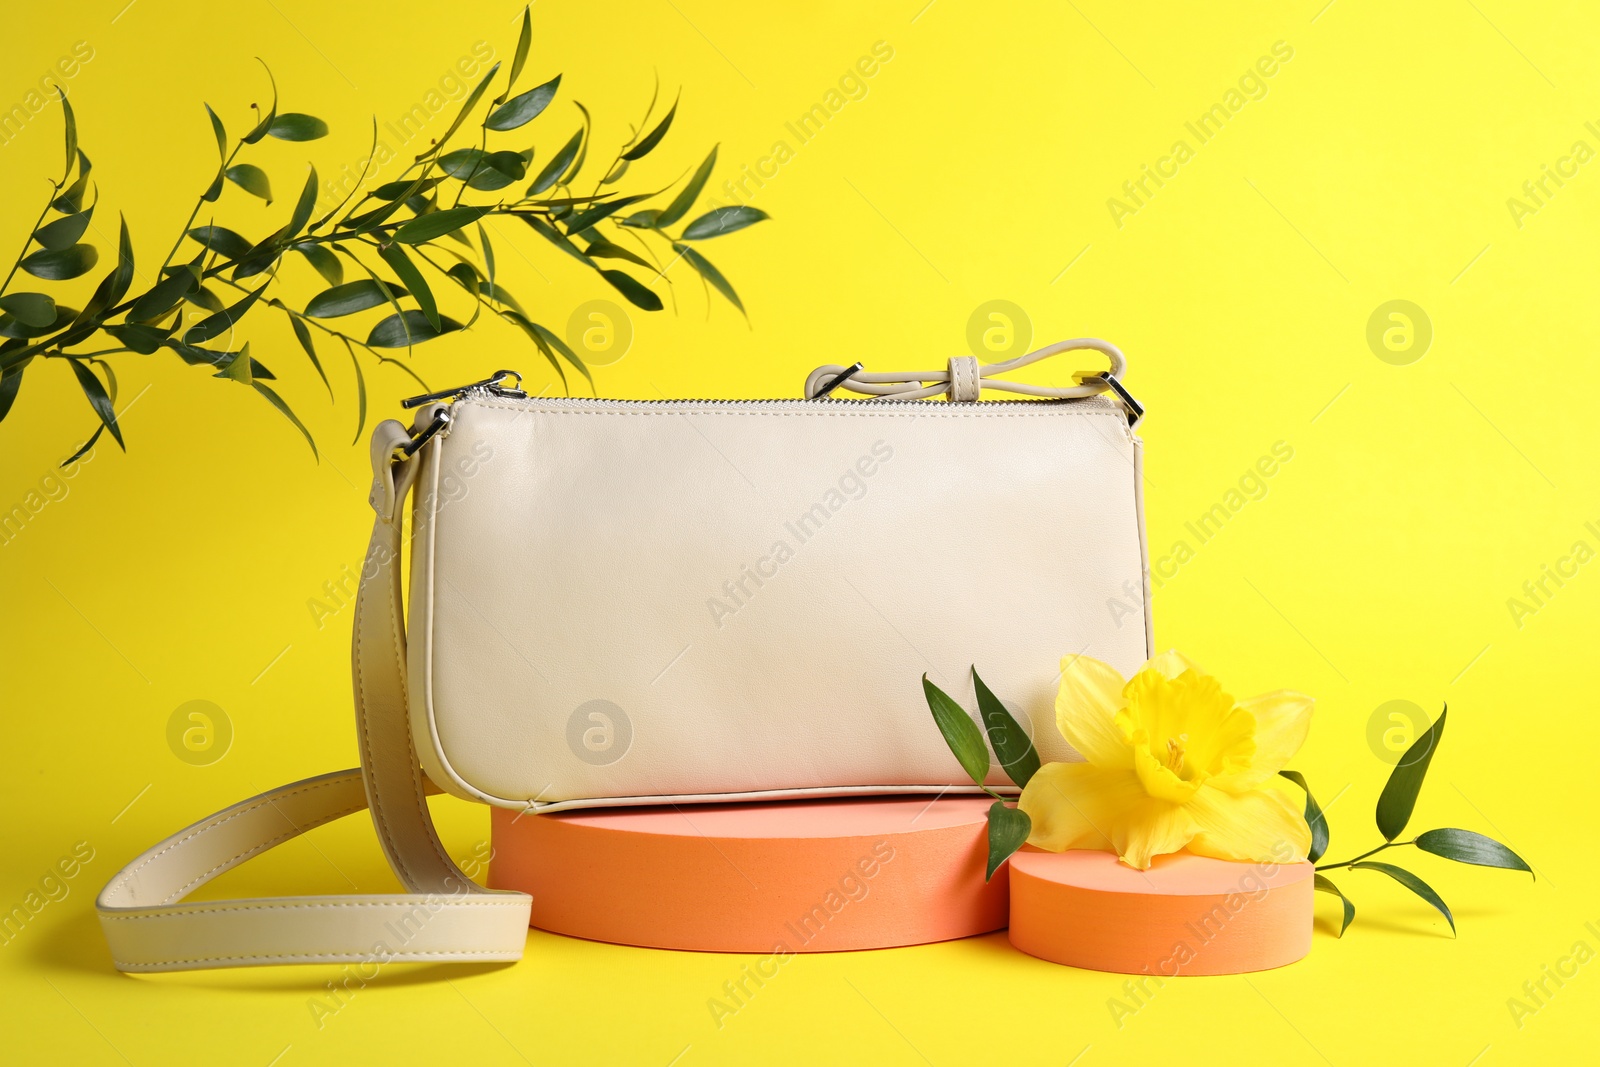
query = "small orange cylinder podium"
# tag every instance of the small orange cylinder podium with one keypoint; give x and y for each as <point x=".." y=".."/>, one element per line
<point x="1186" y="915"/>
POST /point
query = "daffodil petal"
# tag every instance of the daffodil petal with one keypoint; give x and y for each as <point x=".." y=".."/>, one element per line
<point x="1256" y="827"/>
<point x="1171" y="663"/>
<point x="1282" y="720"/>
<point x="1086" y="709"/>
<point x="1078" y="805"/>
<point x="1152" y="828"/>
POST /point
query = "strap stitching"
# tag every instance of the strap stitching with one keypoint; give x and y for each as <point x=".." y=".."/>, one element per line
<point x="314" y="957"/>
<point x="509" y="900"/>
<point x="380" y="816"/>
<point x="295" y="831"/>
<point x="216" y="822"/>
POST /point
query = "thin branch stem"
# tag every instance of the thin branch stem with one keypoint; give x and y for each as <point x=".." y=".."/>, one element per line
<point x="28" y="240"/>
<point x="184" y="232"/>
<point x="1364" y="855"/>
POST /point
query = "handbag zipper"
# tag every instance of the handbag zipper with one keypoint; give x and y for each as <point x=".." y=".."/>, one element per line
<point x="492" y="387"/>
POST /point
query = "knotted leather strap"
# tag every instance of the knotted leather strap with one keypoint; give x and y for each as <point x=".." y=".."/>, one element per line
<point x="965" y="377"/>
<point x="443" y="916"/>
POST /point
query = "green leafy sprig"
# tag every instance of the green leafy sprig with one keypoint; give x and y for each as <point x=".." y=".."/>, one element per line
<point x="402" y="239"/>
<point x="1008" y="826"/>
<point x="1395" y="805"/>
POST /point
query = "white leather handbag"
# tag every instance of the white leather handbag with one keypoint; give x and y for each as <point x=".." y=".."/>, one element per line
<point x="622" y="602"/>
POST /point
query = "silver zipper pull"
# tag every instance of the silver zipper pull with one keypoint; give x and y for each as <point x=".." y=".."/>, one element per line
<point x="491" y="383"/>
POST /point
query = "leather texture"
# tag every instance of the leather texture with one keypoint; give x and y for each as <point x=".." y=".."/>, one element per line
<point x="637" y="602"/>
<point x="618" y="602"/>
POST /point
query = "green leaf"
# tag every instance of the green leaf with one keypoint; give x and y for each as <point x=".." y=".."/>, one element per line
<point x="411" y="278"/>
<point x="361" y="394"/>
<point x="522" y="323"/>
<point x="98" y="399"/>
<point x="557" y="166"/>
<point x="556" y="237"/>
<point x="711" y="274"/>
<point x="12" y="327"/>
<point x="349" y="298"/>
<point x="1315" y="820"/>
<point x="721" y="220"/>
<point x="30" y="309"/>
<point x="557" y="344"/>
<point x="70" y="123"/>
<point x="302" y="209"/>
<point x="482" y="170"/>
<point x="223" y="241"/>
<point x="302" y="334"/>
<point x="204" y="298"/>
<point x="960" y="732"/>
<point x="71" y="201"/>
<point x="393" y="191"/>
<point x="164" y="296"/>
<point x="261" y="127"/>
<point x="638" y="294"/>
<point x="1411" y="882"/>
<point x="1008" y="831"/>
<point x="64" y="232"/>
<point x="488" y="252"/>
<point x="520" y="59"/>
<point x="642" y="220"/>
<point x="408" y="328"/>
<point x="293" y="126"/>
<point x="587" y="218"/>
<point x="1324" y="885"/>
<point x="139" y="337"/>
<point x="220" y="134"/>
<point x="652" y="138"/>
<point x="277" y="401"/>
<point x="685" y="199"/>
<point x="498" y="170"/>
<point x="606" y="250"/>
<point x="251" y="178"/>
<point x="1405" y="781"/>
<point x="222" y="321"/>
<point x="1464" y="846"/>
<point x="326" y="263"/>
<point x="466" y="108"/>
<point x="524" y="108"/>
<point x="59" y="265"/>
<point x="438" y="224"/>
<point x="1012" y="745"/>
<point x="10" y="382"/>
<point x="113" y="287"/>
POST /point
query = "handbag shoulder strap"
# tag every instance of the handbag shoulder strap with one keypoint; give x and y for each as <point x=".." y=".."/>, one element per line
<point x="444" y="915"/>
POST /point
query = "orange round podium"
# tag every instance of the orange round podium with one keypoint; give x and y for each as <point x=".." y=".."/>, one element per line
<point x="1186" y="915"/>
<point x="822" y="875"/>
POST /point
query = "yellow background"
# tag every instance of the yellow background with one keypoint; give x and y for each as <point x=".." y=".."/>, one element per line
<point x="978" y="166"/>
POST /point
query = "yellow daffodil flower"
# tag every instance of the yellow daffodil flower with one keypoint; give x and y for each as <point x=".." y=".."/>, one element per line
<point x="1173" y="762"/>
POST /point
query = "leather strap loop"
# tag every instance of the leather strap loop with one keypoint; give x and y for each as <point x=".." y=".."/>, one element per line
<point x="920" y="385"/>
<point x="444" y="915"/>
<point x="964" y="379"/>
